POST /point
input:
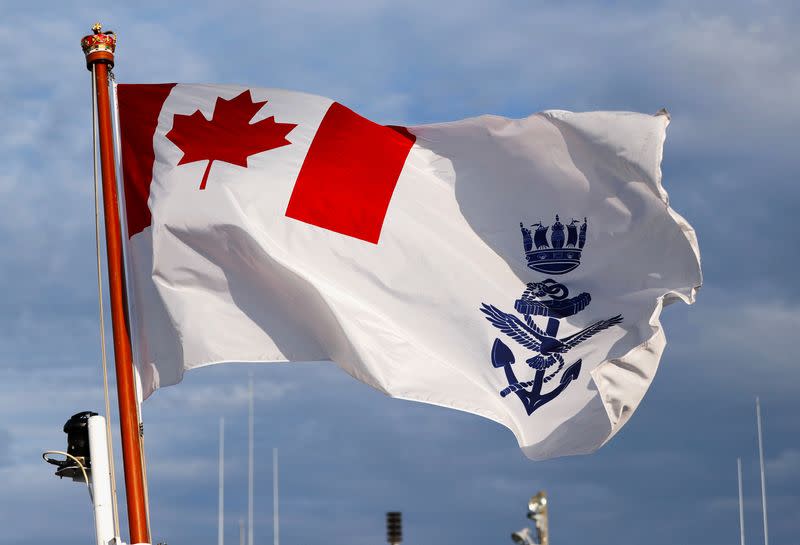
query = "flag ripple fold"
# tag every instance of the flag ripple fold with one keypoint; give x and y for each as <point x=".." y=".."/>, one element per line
<point x="511" y="268"/>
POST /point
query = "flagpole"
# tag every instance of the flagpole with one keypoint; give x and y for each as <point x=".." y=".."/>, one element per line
<point x="741" y="501"/>
<point x="99" y="50"/>
<point x="221" y="521"/>
<point x="276" y="536"/>
<point x="763" y="480"/>
<point x="250" y="472"/>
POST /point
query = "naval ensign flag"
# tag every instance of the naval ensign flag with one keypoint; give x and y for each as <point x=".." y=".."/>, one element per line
<point x="512" y="268"/>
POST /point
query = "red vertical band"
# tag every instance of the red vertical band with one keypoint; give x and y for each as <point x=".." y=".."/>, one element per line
<point x="139" y="107"/>
<point x="349" y="174"/>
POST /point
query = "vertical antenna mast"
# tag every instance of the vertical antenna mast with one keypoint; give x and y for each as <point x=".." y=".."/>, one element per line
<point x="221" y="522"/>
<point x="741" y="501"/>
<point x="99" y="50"/>
<point x="275" y="521"/>
<point x="241" y="531"/>
<point x="763" y="480"/>
<point x="250" y="466"/>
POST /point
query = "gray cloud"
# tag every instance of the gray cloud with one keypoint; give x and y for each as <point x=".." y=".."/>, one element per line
<point x="728" y="72"/>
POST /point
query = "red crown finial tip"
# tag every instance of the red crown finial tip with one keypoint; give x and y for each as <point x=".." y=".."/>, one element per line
<point x="99" y="46"/>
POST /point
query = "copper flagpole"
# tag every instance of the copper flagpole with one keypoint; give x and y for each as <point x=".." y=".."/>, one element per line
<point x="99" y="50"/>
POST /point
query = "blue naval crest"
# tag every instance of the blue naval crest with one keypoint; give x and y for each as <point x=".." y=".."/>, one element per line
<point x="549" y="299"/>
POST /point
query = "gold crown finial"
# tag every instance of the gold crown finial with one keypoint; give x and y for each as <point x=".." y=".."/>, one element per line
<point x="99" y="46"/>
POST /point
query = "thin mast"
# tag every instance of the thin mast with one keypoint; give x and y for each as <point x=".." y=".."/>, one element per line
<point x="741" y="501"/>
<point x="763" y="480"/>
<point x="250" y="466"/>
<point x="99" y="50"/>
<point x="221" y="521"/>
<point x="241" y="531"/>
<point x="275" y="521"/>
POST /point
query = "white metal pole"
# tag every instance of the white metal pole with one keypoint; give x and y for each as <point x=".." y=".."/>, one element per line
<point x="275" y="519"/>
<point x="241" y="531"/>
<point x="741" y="501"/>
<point x="221" y="521"/>
<point x="250" y="467"/>
<point x="101" y="481"/>
<point x="763" y="480"/>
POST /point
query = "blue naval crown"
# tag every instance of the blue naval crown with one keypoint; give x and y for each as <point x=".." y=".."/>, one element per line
<point x="559" y="255"/>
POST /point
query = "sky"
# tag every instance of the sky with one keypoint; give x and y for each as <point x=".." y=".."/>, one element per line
<point x="728" y="72"/>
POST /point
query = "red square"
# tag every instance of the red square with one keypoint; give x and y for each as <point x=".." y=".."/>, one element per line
<point x="349" y="174"/>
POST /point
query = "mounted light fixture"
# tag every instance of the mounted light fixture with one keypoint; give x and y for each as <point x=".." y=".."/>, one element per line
<point x="537" y="512"/>
<point x="523" y="537"/>
<point x="77" y="430"/>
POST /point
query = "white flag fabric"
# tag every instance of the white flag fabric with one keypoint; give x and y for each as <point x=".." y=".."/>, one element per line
<point x="511" y="268"/>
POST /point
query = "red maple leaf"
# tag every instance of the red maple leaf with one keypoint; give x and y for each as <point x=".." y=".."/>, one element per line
<point x="228" y="136"/>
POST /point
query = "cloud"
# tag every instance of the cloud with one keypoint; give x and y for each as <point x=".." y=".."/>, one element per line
<point x="225" y="396"/>
<point x="729" y="74"/>
<point x="786" y="466"/>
